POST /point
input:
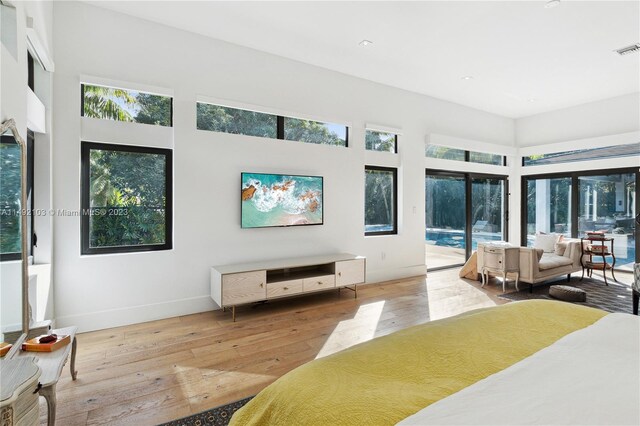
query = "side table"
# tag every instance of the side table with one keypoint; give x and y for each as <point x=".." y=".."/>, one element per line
<point x="500" y="260"/>
<point x="51" y="364"/>
<point x="605" y="250"/>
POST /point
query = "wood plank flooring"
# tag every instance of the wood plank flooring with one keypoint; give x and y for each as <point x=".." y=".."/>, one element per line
<point x="158" y="371"/>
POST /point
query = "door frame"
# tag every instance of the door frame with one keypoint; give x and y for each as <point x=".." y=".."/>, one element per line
<point x="575" y="196"/>
<point x="468" y="178"/>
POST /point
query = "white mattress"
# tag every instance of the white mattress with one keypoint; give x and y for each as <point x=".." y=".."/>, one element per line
<point x="589" y="377"/>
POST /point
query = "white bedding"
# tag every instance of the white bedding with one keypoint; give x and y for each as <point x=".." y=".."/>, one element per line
<point x="589" y="377"/>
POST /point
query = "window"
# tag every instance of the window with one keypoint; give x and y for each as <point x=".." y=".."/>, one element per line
<point x="218" y="118"/>
<point x="461" y="211"/>
<point x="126" y="198"/>
<point x="309" y="131"/>
<point x="10" y="193"/>
<point x="577" y="202"/>
<point x="485" y="158"/>
<point x="110" y="103"/>
<point x="446" y="153"/>
<point x="30" y="72"/>
<point x="380" y="201"/>
<point x="616" y="151"/>
<point x="10" y="185"/>
<point x="435" y="151"/>
<point x="381" y="141"/>
<point x="237" y="121"/>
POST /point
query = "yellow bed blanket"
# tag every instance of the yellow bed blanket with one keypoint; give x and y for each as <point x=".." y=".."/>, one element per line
<point x="382" y="381"/>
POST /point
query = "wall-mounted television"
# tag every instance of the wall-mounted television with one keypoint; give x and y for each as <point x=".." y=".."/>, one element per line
<point x="270" y="200"/>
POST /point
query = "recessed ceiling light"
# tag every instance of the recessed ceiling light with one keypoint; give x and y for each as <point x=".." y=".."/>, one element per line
<point x="531" y="100"/>
<point x="467" y="77"/>
<point x="365" y="43"/>
<point x="552" y="3"/>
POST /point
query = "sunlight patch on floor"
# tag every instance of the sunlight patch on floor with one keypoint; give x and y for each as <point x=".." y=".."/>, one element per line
<point x="360" y="328"/>
<point x="447" y="299"/>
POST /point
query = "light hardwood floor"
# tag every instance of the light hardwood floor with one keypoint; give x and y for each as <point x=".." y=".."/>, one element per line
<point x="162" y="370"/>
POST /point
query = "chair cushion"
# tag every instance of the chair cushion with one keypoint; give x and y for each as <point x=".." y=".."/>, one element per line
<point x="546" y="242"/>
<point x="551" y="261"/>
<point x="568" y="293"/>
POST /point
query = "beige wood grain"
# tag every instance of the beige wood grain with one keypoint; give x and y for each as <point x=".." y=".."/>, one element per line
<point x="318" y="283"/>
<point x="349" y="272"/>
<point x="284" y="288"/>
<point x="244" y="287"/>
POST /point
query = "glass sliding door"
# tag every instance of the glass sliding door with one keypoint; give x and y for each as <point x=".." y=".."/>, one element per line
<point x="607" y="203"/>
<point x="575" y="203"/>
<point x="487" y="210"/>
<point x="548" y="207"/>
<point x="445" y="222"/>
<point x="462" y="210"/>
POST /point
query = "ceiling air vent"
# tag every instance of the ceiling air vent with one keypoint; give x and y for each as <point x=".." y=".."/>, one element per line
<point x="629" y="49"/>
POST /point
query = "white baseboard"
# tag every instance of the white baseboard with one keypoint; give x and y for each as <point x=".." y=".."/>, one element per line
<point x="395" y="273"/>
<point x="136" y="314"/>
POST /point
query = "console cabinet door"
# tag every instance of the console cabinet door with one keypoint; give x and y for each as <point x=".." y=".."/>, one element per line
<point x="244" y="287"/>
<point x="349" y="272"/>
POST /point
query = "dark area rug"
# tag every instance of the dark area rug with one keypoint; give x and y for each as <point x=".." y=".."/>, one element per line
<point x="219" y="416"/>
<point x="612" y="298"/>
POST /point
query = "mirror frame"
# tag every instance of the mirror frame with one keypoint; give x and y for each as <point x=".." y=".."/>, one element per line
<point x="10" y="125"/>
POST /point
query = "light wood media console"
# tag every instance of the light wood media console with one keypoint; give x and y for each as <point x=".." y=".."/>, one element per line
<point x="233" y="285"/>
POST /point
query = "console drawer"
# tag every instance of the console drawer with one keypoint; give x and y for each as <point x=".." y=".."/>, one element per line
<point x="284" y="288"/>
<point x="349" y="272"/>
<point x="318" y="283"/>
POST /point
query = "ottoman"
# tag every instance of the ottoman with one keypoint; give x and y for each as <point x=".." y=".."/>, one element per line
<point x="568" y="293"/>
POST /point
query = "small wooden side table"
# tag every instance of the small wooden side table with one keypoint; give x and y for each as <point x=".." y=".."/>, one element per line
<point x="51" y="364"/>
<point x="501" y="260"/>
<point x="606" y="250"/>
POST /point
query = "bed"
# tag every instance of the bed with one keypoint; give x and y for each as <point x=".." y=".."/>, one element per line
<point x="531" y="362"/>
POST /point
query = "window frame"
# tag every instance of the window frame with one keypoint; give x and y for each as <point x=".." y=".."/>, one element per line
<point x="574" y="213"/>
<point x="280" y="125"/>
<point x="467" y="156"/>
<point x="8" y="257"/>
<point x="85" y="173"/>
<point x="395" y="141"/>
<point x="82" y="85"/>
<point x="394" y="170"/>
<point x="468" y="190"/>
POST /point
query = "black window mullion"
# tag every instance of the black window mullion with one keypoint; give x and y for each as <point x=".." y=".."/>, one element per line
<point x="468" y="206"/>
<point x="280" y="127"/>
<point x="575" y="197"/>
<point x="467" y="156"/>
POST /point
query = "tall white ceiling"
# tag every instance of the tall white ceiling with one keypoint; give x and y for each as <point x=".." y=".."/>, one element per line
<point x="524" y="58"/>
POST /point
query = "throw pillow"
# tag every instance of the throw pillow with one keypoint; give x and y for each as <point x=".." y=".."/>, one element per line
<point x="560" y="248"/>
<point x="546" y="242"/>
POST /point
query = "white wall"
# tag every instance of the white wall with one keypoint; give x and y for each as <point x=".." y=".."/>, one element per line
<point x="104" y="291"/>
<point x="603" y="118"/>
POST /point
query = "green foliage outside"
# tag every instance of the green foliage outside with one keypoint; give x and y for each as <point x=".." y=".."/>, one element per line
<point x="379" y="202"/>
<point x="237" y="121"/>
<point x="380" y="141"/>
<point x="445" y="202"/>
<point x="311" y="132"/>
<point x="126" y="105"/>
<point x="127" y="198"/>
<point x="435" y="151"/>
<point x="242" y="122"/>
<point x="10" y="185"/>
